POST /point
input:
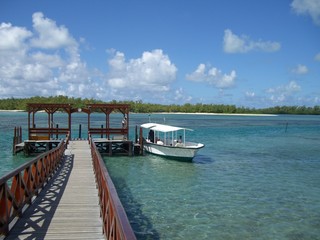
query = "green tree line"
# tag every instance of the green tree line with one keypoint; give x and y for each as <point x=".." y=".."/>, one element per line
<point x="140" y="107"/>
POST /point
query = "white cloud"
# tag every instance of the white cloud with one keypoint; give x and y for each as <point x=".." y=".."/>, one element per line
<point x="36" y="72"/>
<point x="250" y="94"/>
<point x="317" y="57"/>
<point x="283" y="93"/>
<point x="50" y="60"/>
<point x="13" y="38"/>
<point x="300" y="69"/>
<point x="213" y="76"/>
<point x="49" y="34"/>
<point x="242" y="44"/>
<point x="44" y="61"/>
<point x="181" y="96"/>
<point x="152" y="72"/>
<point x="308" y="7"/>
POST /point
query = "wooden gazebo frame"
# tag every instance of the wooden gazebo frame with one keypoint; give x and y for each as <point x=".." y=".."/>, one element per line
<point x="122" y="132"/>
<point x="44" y="133"/>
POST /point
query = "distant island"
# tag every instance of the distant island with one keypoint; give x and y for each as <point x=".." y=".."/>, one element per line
<point x="140" y="107"/>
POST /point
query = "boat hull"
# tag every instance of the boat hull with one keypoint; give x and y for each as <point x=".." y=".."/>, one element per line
<point x="178" y="153"/>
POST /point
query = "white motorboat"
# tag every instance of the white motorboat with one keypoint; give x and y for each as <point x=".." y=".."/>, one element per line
<point x="169" y="141"/>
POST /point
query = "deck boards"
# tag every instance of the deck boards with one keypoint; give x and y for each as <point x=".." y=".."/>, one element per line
<point x="68" y="207"/>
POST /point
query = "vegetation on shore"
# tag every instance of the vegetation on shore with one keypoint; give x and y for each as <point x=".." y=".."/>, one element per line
<point x="140" y="107"/>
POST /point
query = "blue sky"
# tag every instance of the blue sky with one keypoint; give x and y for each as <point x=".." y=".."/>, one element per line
<point x="247" y="53"/>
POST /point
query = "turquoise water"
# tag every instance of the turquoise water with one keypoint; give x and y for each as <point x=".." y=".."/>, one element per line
<point x="257" y="177"/>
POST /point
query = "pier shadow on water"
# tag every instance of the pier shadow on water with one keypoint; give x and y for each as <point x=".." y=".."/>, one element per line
<point x="35" y="221"/>
<point x="140" y="223"/>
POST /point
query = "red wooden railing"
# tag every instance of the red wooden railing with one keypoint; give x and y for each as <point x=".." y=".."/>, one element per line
<point x="18" y="187"/>
<point x="115" y="222"/>
<point x="46" y="133"/>
<point x="109" y="131"/>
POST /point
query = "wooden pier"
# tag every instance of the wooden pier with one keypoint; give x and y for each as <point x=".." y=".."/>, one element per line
<point x="66" y="192"/>
<point x="114" y="147"/>
<point x="70" y="207"/>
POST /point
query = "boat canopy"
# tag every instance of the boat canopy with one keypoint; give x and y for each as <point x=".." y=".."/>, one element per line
<point x="162" y="128"/>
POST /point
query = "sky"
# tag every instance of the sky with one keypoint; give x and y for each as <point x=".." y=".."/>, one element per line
<point x="246" y="53"/>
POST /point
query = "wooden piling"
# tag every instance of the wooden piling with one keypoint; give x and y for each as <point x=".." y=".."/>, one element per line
<point x="17" y="145"/>
<point x="141" y="141"/>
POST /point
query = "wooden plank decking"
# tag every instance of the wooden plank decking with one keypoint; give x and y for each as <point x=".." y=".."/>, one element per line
<point x="68" y="207"/>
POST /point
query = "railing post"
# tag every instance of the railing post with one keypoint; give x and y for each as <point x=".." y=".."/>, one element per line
<point x="57" y="134"/>
<point x="20" y="134"/>
<point x="79" y="131"/>
<point x="141" y="141"/>
<point x="14" y="141"/>
<point x="4" y="212"/>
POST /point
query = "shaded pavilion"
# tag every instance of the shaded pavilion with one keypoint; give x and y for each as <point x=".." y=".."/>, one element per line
<point x="108" y="131"/>
<point x="45" y="133"/>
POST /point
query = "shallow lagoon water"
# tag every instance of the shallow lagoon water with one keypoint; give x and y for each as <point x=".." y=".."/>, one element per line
<point x="257" y="178"/>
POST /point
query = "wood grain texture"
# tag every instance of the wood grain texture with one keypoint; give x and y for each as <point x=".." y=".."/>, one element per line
<point x="68" y="206"/>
